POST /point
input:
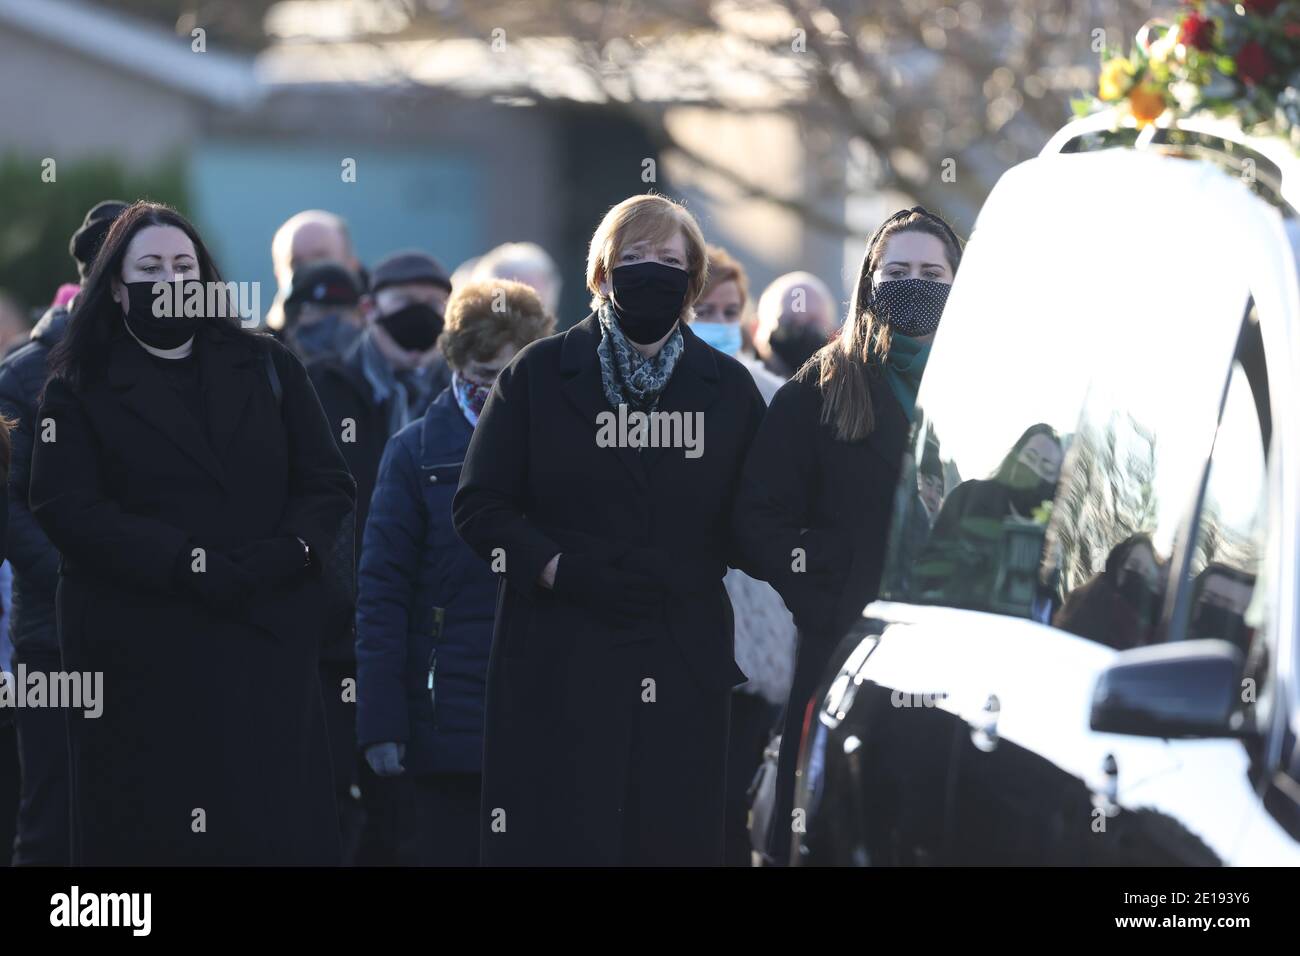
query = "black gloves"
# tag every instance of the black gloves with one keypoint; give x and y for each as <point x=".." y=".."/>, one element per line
<point x="221" y="585"/>
<point x="270" y="561"/>
<point x="230" y="578"/>
<point x="619" y="597"/>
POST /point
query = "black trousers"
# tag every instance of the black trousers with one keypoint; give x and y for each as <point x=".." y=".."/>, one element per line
<point x="44" y="822"/>
<point x="753" y="721"/>
<point x="446" y="818"/>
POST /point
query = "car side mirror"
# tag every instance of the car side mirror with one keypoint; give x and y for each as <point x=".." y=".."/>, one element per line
<point x="1180" y="689"/>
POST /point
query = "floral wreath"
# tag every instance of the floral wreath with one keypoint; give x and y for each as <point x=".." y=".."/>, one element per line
<point x="1240" y="60"/>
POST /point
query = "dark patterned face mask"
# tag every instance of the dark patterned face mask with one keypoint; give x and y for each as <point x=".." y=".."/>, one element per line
<point x="910" y="306"/>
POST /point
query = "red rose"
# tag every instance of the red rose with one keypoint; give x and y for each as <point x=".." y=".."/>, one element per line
<point x="1254" y="65"/>
<point x="1262" y="7"/>
<point x="1197" y="31"/>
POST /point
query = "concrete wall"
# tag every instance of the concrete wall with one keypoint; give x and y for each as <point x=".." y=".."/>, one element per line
<point x="61" y="104"/>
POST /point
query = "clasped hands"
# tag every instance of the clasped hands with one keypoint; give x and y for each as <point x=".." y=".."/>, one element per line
<point x="231" y="577"/>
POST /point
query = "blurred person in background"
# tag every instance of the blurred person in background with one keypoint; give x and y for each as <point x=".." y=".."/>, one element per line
<point x="14" y="327"/>
<point x="464" y="272"/>
<point x="312" y="235"/>
<point x="721" y="318"/>
<point x="797" y="315"/>
<point x="765" y="632"/>
<point x="426" y="602"/>
<point x="385" y="380"/>
<point x="42" y="732"/>
<point x="323" y="311"/>
<point x="194" y="491"/>
<point x="525" y="262"/>
<point x="612" y="663"/>
<point x="813" y="511"/>
<point x="10" y="772"/>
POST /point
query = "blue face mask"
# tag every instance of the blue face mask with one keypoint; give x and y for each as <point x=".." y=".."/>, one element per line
<point x="329" y="335"/>
<point x="723" y="336"/>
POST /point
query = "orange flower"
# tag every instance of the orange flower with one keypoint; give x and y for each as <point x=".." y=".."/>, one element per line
<point x="1146" y="102"/>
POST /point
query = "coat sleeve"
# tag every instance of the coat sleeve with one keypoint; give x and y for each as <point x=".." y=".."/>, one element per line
<point x="321" y="489"/>
<point x="739" y="555"/>
<point x="26" y="545"/>
<point x="69" y="501"/>
<point x="773" y="506"/>
<point x="390" y="560"/>
<point x="489" y="507"/>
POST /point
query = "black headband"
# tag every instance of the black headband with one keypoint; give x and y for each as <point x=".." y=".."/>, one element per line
<point x="903" y="214"/>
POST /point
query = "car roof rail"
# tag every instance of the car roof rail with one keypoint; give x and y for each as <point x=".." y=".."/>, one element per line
<point x="1268" y="164"/>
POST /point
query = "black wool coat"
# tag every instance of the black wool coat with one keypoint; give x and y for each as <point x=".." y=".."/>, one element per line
<point x="605" y="745"/>
<point x="211" y="747"/>
<point x="812" y="519"/>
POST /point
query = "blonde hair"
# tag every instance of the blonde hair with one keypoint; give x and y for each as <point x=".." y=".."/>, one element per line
<point x="486" y="314"/>
<point x="652" y="218"/>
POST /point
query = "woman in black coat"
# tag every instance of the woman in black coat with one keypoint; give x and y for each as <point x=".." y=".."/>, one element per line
<point x="612" y="663"/>
<point x="185" y="471"/>
<point x="813" y="512"/>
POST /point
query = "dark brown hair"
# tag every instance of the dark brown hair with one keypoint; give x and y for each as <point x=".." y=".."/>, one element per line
<point x="96" y="318"/>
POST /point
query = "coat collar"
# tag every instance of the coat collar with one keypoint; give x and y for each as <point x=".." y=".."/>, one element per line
<point x="444" y="432"/>
<point x="890" y="437"/>
<point x="226" y="375"/>
<point x="694" y="386"/>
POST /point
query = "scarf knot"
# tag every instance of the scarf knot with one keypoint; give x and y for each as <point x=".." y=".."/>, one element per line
<point x="628" y="377"/>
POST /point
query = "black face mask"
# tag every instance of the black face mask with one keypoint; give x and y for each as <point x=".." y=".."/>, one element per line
<point x="1026" y="489"/>
<point x="910" y="306"/>
<point x="415" y="327"/>
<point x="1139" y="595"/>
<point x="648" y="299"/>
<point x="162" y="332"/>
<point x="795" y="343"/>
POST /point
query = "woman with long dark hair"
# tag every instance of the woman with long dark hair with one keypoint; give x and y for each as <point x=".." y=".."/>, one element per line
<point x="186" y="473"/>
<point x="815" y="501"/>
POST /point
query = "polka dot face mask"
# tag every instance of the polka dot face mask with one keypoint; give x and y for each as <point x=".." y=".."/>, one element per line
<point x="910" y="306"/>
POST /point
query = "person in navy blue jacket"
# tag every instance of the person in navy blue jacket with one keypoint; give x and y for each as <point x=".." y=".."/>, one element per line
<point x="426" y="602"/>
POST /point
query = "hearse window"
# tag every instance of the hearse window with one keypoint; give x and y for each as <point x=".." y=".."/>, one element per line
<point x="1064" y="424"/>
<point x="1225" y="596"/>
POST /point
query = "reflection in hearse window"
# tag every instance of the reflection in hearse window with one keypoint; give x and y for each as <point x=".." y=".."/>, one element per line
<point x="1120" y="606"/>
<point x="1226" y="602"/>
<point x="986" y="543"/>
<point x="1123" y="367"/>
